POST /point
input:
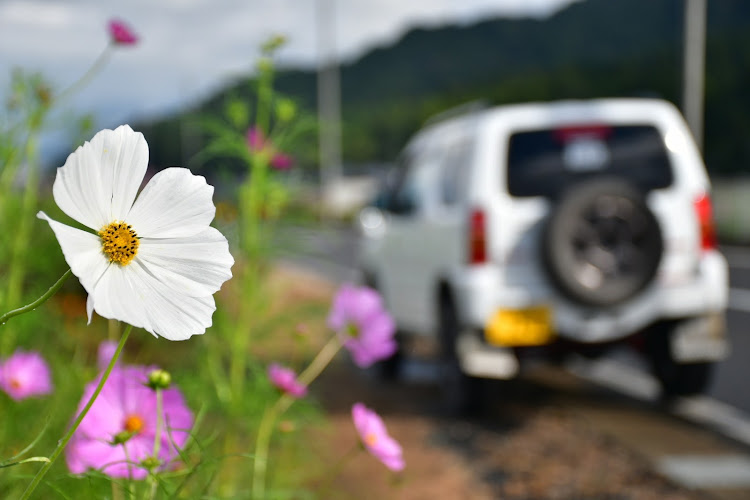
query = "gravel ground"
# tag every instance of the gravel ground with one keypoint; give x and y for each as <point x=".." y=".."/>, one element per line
<point x="517" y="450"/>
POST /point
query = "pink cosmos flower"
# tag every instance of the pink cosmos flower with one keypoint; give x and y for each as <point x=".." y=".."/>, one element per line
<point x="121" y="34"/>
<point x="365" y="327"/>
<point x="24" y="375"/>
<point x="255" y="139"/>
<point x="286" y="380"/>
<point x="118" y="432"/>
<point x="374" y="436"/>
<point x="281" y="161"/>
<point x="257" y="143"/>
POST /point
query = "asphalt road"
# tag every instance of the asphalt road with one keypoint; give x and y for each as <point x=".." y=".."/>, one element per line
<point x="730" y="382"/>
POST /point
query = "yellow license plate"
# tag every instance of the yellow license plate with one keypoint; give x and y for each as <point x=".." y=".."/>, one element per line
<point x="520" y="327"/>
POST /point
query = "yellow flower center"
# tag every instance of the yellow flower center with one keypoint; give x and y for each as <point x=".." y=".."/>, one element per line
<point x="119" y="242"/>
<point x="371" y="439"/>
<point x="15" y="383"/>
<point x="133" y="423"/>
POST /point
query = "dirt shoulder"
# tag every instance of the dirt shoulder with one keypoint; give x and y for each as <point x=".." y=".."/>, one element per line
<point x="518" y="449"/>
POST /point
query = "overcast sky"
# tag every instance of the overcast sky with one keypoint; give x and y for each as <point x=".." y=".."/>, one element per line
<point x="188" y="48"/>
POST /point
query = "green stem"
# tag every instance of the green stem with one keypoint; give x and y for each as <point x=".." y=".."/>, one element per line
<point x="29" y="307"/>
<point x="265" y="430"/>
<point x="159" y="422"/>
<point x="214" y="361"/>
<point x="249" y="240"/>
<point x="315" y="368"/>
<point x="318" y="364"/>
<point x="265" y="94"/>
<point x="157" y="442"/>
<point x="25" y="460"/>
<point x="131" y="483"/>
<point x="64" y="441"/>
<point x="154" y="486"/>
<point x="333" y="473"/>
<point x="84" y="79"/>
<point x="113" y="329"/>
<point x="130" y="468"/>
<point x="261" y="449"/>
<point x="239" y="354"/>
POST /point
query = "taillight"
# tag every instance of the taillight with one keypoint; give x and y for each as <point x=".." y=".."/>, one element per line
<point x="477" y="237"/>
<point x="705" y="216"/>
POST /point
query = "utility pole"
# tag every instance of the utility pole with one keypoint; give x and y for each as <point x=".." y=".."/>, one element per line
<point x="694" y="62"/>
<point x="329" y="97"/>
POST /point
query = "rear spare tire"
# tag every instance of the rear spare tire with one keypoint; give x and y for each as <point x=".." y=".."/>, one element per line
<point x="601" y="244"/>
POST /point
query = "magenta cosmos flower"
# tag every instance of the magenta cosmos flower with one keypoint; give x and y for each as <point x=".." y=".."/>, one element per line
<point x="121" y="34"/>
<point x="364" y="326"/>
<point x="119" y="430"/>
<point x="374" y="435"/>
<point x="286" y="380"/>
<point x="24" y="375"/>
<point x="257" y="143"/>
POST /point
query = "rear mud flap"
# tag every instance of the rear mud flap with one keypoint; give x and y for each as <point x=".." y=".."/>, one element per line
<point x="700" y="339"/>
<point x="479" y="360"/>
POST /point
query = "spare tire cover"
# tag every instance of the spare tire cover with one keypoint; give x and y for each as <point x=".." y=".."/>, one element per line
<point x="601" y="244"/>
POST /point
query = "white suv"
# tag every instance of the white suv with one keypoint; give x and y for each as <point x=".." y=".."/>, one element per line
<point x="573" y="225"/>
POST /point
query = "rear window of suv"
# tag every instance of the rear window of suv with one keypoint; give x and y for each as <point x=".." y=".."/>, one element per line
<point x="545" y="162"/>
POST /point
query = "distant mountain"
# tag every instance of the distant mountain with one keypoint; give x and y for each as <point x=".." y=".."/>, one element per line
<point x="591" y="48"/>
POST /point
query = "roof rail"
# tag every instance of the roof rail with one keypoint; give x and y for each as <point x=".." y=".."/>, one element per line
<point x="467" y="108"/>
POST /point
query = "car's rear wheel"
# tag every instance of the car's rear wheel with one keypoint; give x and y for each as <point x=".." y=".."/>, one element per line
<point x="676" y="379"/>
<point x="389" y="370"/>
<point x="601" y="244"/>
<point x="461" y="393"/>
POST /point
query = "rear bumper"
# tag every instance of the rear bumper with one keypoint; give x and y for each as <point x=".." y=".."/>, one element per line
<point x="706" y="294"/>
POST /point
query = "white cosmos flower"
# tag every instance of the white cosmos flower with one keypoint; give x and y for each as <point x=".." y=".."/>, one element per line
<point x="154" y="261"/>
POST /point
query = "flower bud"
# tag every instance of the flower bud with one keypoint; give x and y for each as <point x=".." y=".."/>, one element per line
<point x="286" y="109"/>
<point x="273" y="44"/>
<point x="159" y="379"/>
<point x="43" y="94"/>
<point x="122" y="437"/>
<point x="150" y="463"/>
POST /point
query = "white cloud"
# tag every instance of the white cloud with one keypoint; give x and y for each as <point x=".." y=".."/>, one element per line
<point x="190" y="46"/>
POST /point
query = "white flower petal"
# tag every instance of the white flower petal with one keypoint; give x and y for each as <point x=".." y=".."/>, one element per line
<point x="194" y="265"/>
<point x="131" y="294"/>
<point x="100" y="180"/>
<point x="77" y="189"/>
<point x="82" y="251"/>
<point x="112" y="298"/>
<point x="174" y="203"/>
<point x="124" y="160"/>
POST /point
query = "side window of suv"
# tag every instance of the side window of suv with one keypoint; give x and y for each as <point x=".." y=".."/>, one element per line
<point x="415" y="188"/>
<point x="453" y="171"/>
